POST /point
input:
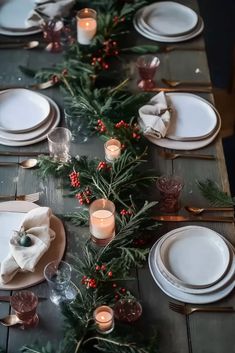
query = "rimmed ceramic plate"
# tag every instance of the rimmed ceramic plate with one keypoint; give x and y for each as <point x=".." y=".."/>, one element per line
<point x="13" y="16"/>
<point x="43" y="136"/>
<point x="188" y="145"/>
<point x="14" y="210"/>
<point x="22" y="110"/>
<point x="194" y="257"/>
<point x="166" y="39"/>
<point x="169" y="18"/>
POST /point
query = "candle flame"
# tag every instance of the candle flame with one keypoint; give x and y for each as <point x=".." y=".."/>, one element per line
<point x="87" y="24"/>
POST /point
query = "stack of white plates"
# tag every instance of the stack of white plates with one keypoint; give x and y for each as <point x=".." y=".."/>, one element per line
<point x="194" y="123"/>
<point x="193" y="264"/>
<point x="26" y="117"/>
<point x="168" y="22"/>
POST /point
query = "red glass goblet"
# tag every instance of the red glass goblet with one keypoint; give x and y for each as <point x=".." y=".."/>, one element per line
<point x="147" y="66"/>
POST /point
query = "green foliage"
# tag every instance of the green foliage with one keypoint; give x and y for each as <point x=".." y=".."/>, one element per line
<point x="217" y="197"/>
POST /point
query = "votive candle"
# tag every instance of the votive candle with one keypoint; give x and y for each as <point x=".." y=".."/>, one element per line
<point x="104" y="319"/>
<point x="112" y="149"/>
<point x="86" y="26"/>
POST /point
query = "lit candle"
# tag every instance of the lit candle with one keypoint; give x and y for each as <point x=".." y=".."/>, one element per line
<point x="86" y="26"/>
<point x="103" y="316"/>
<point x="112" y="150"/>
<point x="102" y="221"/>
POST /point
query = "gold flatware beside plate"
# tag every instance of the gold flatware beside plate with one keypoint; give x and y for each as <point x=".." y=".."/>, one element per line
<point x="22" y="153"/>
<point x="171" y="155"/>
<point x="172" y="83"/>
<point x="169" y="48"/>
<point x="30" y="197"/>
<point x="176" y="218"/>
<point x="26" y="164"/>
<point x="198" y="210"/>
<point x="189" y="309"/>
<point x="36" y="86"/>
<point x="24" y="45"/>
<point x="181" y="89"/>
<point x="7" y="298"/>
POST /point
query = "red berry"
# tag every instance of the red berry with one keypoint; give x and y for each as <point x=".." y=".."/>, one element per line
<point x="103" y="268"/>
<point x="110" y="273"/>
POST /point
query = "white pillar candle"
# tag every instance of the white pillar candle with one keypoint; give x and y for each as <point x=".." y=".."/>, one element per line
<point x="86" y="26"/>
<point x="112" y="149"/>
<point x="102" y="224"/>
<point x="103" y="316"/>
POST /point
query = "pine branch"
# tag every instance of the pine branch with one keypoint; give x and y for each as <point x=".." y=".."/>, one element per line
<point x="217" y="197"/>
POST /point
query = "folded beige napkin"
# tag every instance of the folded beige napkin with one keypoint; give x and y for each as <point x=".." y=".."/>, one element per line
<point x="153" y="122"/>
<point x="37" y="226"/>
<point x="48" y="9"/>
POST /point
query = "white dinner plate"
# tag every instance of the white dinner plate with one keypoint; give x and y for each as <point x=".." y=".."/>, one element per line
<point x="22" y="110"/>
<point x="13" y="212"/>
<point x="54" y="123"/>
<point x="229" y="274"/>
<point x="194" y="256"/>
<point x="187" y="145"/>
<point x="150" y="35"/>
<point x="169" y="18"/>
<point x="13" y="16"/>
<point x="177" y="294"/>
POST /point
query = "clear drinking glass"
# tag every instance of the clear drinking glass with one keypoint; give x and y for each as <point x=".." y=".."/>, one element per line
<point x="170" y="187"/>
<point x="78" y="126"/>
<point x="58" y="275"/>
<point x="147" y="66"/>
<point x="24" y="304"/>
<point x="59" y="140"/>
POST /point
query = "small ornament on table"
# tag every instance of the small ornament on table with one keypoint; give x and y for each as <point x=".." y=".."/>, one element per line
<point x="102" y="221"/>
<point x="112" y="150"/>
<point x="127" y="310"/>
<point x="104" y="319"/>
<point x="86" y="26"/>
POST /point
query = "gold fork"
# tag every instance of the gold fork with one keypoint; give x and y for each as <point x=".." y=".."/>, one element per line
<point x="36" y="86"/>
<point x="171" y="155"/>
<point x="30" y="197"/>
<point x="189" y="309"/>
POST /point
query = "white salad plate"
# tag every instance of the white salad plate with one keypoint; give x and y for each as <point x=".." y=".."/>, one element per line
<point x="169" y="18"/>
<point x="12" y="214"/>
<point x="194" y="256"/>
<point x="22" y="110"/>
<point x="54" y="122"/>
<point x="188" y="144"/>
<point x="167" y="39"/>
<point x="175" y="293"/>
<point x="13" y="17"/>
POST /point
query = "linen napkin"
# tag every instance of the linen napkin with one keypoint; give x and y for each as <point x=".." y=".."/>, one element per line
<point x="48" y="9"/>
<point x="37" y="226"/>
<point x="153" y="122"/>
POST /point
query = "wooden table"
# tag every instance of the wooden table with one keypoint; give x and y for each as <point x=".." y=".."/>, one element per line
<point x="199" y="333"/>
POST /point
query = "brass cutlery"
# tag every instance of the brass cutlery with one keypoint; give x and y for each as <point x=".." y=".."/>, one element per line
<point x="11" y="320"/>
<point x="172" y="83"/>
<point x="24" y="45"/>
<point x="189" y="309"/>
<point x="177" y="218"/>
<point x="171" y="155"/>
<point x="181" y="89"/>
<point x="198" y="210"/>
<point x="26" y="164"/>
<point x="22" y="153"/>
<point x="36" y="86"/>
<point x="169" y="48"/>
<point x="7" y="298"/>
<point x="30" y="197"/>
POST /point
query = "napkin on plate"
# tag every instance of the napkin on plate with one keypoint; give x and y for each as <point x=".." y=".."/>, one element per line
<point x="37" y="225"/>
<point x="153" y="122"/>
<point x="48" y="9"/>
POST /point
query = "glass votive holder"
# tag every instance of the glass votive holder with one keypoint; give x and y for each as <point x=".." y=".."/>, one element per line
<point x="127" y="310"/>
<point x="24" y="303"/>
<point x="59" y="140"/>
<point x="112" y="150"/>
<point x="170" y="189"/>
<point x="147" y="66"/>
<point x="58" y="275"/>
<point x="102" y="221"/>
<point x="86" y="25"/>
<point x="52" y="31"/>
<point x="104" y="319"/>
<point x="78" y="126"/>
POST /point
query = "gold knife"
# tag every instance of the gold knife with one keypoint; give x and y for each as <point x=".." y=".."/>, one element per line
<point x="7" y="298"/>
<point x="176" y="218"/>
<point x="180" y="89"/>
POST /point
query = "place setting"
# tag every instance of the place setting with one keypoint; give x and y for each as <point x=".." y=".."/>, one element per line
<point x="168" y="21"/>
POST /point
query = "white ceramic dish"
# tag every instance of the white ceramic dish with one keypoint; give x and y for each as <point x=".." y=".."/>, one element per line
<point x="169" y="18"/>
<point x="13" y="16"/>
<point x="187" y="145"/>
<point x="43" y="136"/>
<point x="177" y="294"/>
<point x="56" y="250"/>
<point x="194" y="256"/>
<point x="166" y="39"/>
<point x="22" y="110"/>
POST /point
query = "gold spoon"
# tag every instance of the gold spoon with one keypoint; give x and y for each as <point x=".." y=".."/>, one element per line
<point x="173" y="84"/>
<point x="197" y="210"/>
<point x="42" y="85"/>
<point x="25" y="45"/>
<point x="10" y="320"/>
<point x="26" y="164"/>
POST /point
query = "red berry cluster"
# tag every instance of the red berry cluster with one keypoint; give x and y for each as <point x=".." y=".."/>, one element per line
<point x="100" y="126"/>
<point x="110" y="48"/>
<point x="74" y="179"/>
<point x="103" y="268"/>
<point x="119" y="292"/>
<point x="121" y="124"/>
<point x="57" y="78"/>
<point x="102" y="165"/>
<point x="139" y="242"/>
<point x="135" y="133"/>
<point x="89" y="282"/>
<point x="83" y="196"/>
<point x="99" y="61"/>
<point x="124" y="212"/>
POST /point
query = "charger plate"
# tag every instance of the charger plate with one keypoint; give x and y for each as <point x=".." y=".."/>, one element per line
<point x="55" y="251"/>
